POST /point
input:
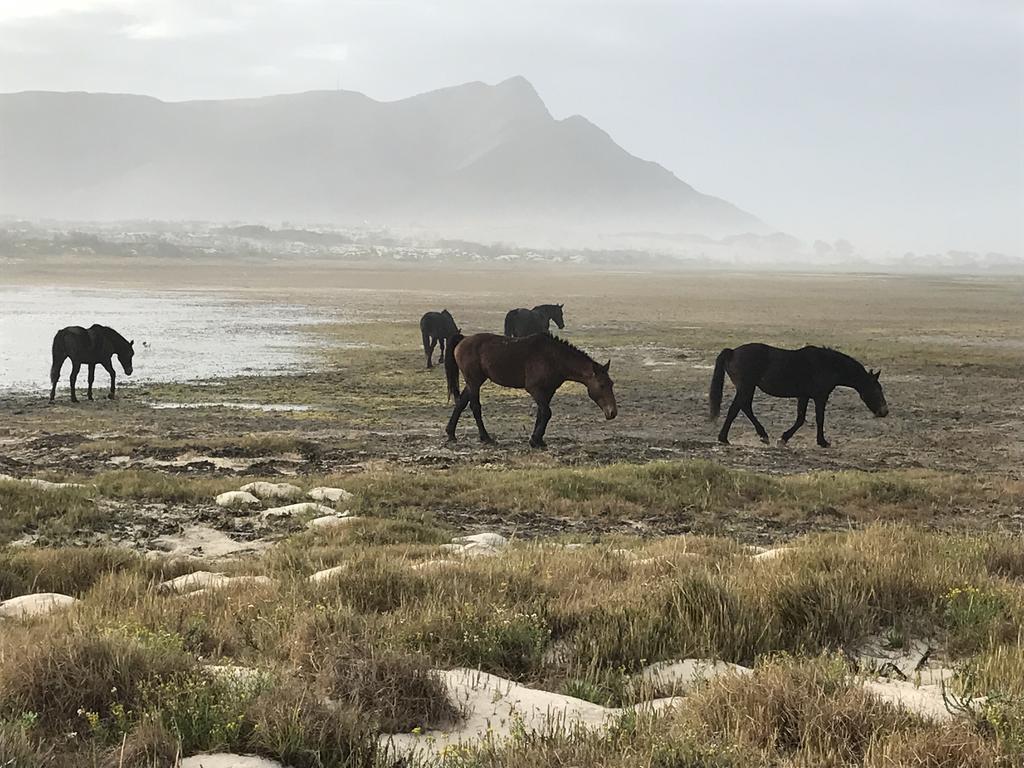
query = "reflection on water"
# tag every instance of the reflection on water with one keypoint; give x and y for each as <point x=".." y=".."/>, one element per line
<point x="178" y="335"/>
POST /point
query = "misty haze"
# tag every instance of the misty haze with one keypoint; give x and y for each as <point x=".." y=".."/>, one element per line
<point x="444" y="384"/>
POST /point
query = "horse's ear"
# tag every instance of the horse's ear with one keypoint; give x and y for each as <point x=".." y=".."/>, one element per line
<point x="131" y="343"/>
<point x="877" y="373"/>
<point x="561" y="305"/>
<point x="603" y="368"/>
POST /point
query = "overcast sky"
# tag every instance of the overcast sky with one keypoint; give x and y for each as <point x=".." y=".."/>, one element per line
<point x="894" y="123"/>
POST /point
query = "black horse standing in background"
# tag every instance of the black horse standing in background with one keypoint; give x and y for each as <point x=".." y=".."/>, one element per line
<point x="526" y="322"/>
<point x="807" y="374"/>
<point x="437" y="328"/>
<point x="93" y="347"/>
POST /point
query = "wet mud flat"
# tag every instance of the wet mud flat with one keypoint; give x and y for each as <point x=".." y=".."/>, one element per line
<point x="360" y="405"/>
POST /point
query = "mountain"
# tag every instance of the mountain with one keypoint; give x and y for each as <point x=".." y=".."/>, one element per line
<point x="466" y="159"/>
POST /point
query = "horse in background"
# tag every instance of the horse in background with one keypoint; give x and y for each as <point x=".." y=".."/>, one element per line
<point x="436" y="328"/>
<point x="95" y="346"/>
<point x="526" y="322"/>
<point x="807" y="374"/>
<point x="539" y="363"/>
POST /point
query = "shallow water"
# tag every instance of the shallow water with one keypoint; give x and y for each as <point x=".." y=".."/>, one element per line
<point x="178" y="335"/>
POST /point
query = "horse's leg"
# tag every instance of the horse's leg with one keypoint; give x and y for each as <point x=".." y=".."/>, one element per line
<point x="55" y="377"/>
<point x="819" y="415"/>
<point x="734" y="409"/>
<point x="460" y="406"/>
<point x="543" y="400"/>
<point x="110" y="370"/>
<point x="474" y="403"/>
<point x="428" y="348"/>
<point x="748" y="409"/>
<point x="801" y="417"/>
<point x="92" y="377"/>
<point x="75" y="366"/>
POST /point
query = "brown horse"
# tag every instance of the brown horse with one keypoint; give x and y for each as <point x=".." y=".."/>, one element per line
<point x="540" y="364"/>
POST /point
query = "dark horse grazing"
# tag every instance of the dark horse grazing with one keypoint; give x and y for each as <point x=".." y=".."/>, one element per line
<point x="526" y="322"/>
<point x="807" y="374"/>
<point x="436" y="327"/>
<point x="540" y="364"/>
<point x="93" y="347"/>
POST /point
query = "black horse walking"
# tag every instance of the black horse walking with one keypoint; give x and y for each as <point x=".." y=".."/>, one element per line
<point x="92" y="347"/>
<point x="807" y="374"/>
<point x="436" y="328"/>
<point x="526" y="322"/>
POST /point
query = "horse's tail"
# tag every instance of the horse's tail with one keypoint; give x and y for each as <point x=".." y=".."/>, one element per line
<point x="426" y="338"/>
<point x="510" y="330"/>
<point x="60" y="352"/>
<point x="718" y="382"/>
<point x="451" y="368"/>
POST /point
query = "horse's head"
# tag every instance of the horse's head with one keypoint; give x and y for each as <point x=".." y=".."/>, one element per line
<point x="556" y="315"/>
<point x="125" y="355"/>
<point x="872" y="395"/>
<point x="450" y="327"/>
<point x="600" y="389"/>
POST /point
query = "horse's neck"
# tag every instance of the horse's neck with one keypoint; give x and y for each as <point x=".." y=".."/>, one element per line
<point x="116" y="342"/>
<point x="851" y="374"/>
<point x="577" y="367"/>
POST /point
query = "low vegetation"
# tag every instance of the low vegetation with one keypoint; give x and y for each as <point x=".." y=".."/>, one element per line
<point x="125" y="674"/>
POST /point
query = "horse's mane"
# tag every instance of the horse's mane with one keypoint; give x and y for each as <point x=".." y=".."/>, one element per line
<point x="569" y="346"/>
<point x="116" y="336"/>
<point x="848" y="363"/>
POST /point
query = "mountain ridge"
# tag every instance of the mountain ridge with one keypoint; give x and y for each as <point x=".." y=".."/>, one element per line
<point x="464" y="158"/>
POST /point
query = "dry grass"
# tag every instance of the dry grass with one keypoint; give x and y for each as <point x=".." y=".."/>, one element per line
<point x="580" y="621"/>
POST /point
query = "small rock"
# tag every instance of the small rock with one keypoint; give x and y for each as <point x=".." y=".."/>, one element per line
<point x="203" y="541"/>
<point x="772" y="554"/>
<point x="327" y="574"/>
<point x="495" y="540"/>
<point x="236" y="498"/>
<point x="330" y="521"/>
<point x="431" y="565"/>
<point x="227" y="760"/>
<point x="685" y="674"/>
<point x="45" y="485"/>
<point x="264" y="490"/>
<point x="231" y="582"/>
<point x="39" y="604"/>
<point x="233" y="673"/>
<point x="193" y="581"/>
<point x="329" y="494"/>
<point x="302" y="508"/>
<point x="625" y="553"/>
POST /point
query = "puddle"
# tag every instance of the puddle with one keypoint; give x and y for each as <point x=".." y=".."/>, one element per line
<point x="179" y="336"/>
<point x="266" y="407"/>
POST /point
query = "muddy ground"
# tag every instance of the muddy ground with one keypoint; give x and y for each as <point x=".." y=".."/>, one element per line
<point x="951" y="353"/>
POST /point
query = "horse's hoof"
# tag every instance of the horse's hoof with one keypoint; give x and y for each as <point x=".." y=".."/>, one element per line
<point x="723" y="440"/>
<point x="766" y="440"/>
<point x="824" y="444"/>
<point x="451" y="439"/>
<point x="783" y="441"/>
<point x="488" y="440"/>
